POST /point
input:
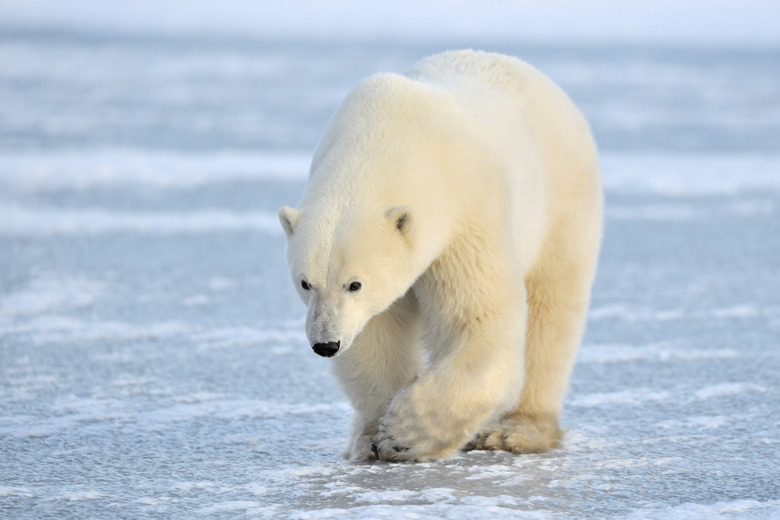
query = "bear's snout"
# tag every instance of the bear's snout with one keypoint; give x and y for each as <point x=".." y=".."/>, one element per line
<point x="328" y="349"/>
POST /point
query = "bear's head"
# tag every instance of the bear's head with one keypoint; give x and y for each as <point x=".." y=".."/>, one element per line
<point x="348" y="265"/>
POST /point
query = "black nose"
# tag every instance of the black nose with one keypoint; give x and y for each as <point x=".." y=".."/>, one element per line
<point x="326" y="349"/>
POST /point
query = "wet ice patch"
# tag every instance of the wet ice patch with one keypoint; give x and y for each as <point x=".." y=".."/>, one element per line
<point x="438" y="495"/>
<point x="660" y="352"/>
<point x="616" y="310"/>
<point x="422" y="512"/>
<point x="700" y="423"/>
<point x="230" y="506"/>
<point x="230" y="337"/>
<point x="652" y="212"/>
<point x="728" y="389"/>
<point x="190" y="486"/>
<point x="675" y="212"/>
<point x="500" y="500"/>
<point x="63" y="329"/>
<point x="625" y="397"/>
<point x="690" y="174"/>
<point x="752" y="207"/>
<point x="196" y="300"/>
<point x="71" y="413"/>
<point x="79" y="495"/>
<point x="121" y="169"/>
<point x="753" y="509"/>
<point x="6" y="491"/>
<point x="635" y="313"/>
<point x="68" y="413"/>
<point x="221" y="408"/>
<point x="51" y="292"/>
<point x="738" y="311"/>
<point x="491" y="471"/>
<point x="391" y="495"/>
<point x="222" y="284"/>
<point x="23" y="221"/>
<point x="624" y="312"/>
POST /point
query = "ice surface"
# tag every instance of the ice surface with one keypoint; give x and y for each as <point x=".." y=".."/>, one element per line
<point x="152" y="355"/>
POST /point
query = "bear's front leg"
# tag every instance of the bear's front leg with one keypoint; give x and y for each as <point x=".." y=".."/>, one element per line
<point x="360" y="447"/>
<point x="477" y="378"/>
<point x="384" y="358"/>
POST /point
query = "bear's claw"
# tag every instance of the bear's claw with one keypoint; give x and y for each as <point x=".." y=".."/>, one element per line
<point x="385" y="448"/>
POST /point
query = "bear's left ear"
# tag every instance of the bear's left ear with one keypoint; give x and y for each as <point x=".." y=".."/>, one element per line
<point x="402" y="219"/>
<point x="289" y="218"/>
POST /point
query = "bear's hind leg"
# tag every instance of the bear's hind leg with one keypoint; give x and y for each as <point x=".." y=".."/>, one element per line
<point x="558" y="295"/>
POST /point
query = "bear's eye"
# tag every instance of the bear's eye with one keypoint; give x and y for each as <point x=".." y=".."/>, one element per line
<point x="355" y="286"/>
<point x="305" y="285"/>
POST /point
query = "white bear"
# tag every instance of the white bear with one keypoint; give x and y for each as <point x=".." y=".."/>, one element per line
<point x="445" y="248"/>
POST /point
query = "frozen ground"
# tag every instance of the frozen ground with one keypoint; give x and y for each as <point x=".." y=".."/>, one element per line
<point x="152" y="356"/>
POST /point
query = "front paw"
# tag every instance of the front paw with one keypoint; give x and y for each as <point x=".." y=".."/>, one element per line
<point x="417" y="428"/>
<point x="404" y="437"/>
<point x="386" y="447"/>
<point x="361" y="449"/>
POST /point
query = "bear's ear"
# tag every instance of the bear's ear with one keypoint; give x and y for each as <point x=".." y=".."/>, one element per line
<point x="402" y="219"/>
<point x="289" y="218"/>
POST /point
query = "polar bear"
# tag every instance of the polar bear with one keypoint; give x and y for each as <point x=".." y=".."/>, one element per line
<point x="445" y="248"/>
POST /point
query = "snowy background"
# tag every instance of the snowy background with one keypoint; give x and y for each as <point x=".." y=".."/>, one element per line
<point x="152" y="355"/>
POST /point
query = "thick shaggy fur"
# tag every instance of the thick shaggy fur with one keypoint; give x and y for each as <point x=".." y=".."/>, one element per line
<point x="464" y="198"/>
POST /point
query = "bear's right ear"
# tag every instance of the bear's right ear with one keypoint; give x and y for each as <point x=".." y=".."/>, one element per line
<point x="289" y="218"/>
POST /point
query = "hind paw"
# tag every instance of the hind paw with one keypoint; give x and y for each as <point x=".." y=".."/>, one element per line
<point x="518" y="434"/>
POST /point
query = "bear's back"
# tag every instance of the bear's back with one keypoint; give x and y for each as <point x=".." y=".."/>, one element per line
<point x="485" y="81"/>
<point x="466" y="70"/>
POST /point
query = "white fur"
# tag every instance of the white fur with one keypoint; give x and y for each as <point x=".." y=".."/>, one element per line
<point x="465" y="197"/>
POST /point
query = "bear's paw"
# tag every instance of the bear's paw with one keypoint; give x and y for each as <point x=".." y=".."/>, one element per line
<point x="361" y="449"/>
<point x="518" y="434"/>
<point x="406" y="436"/>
